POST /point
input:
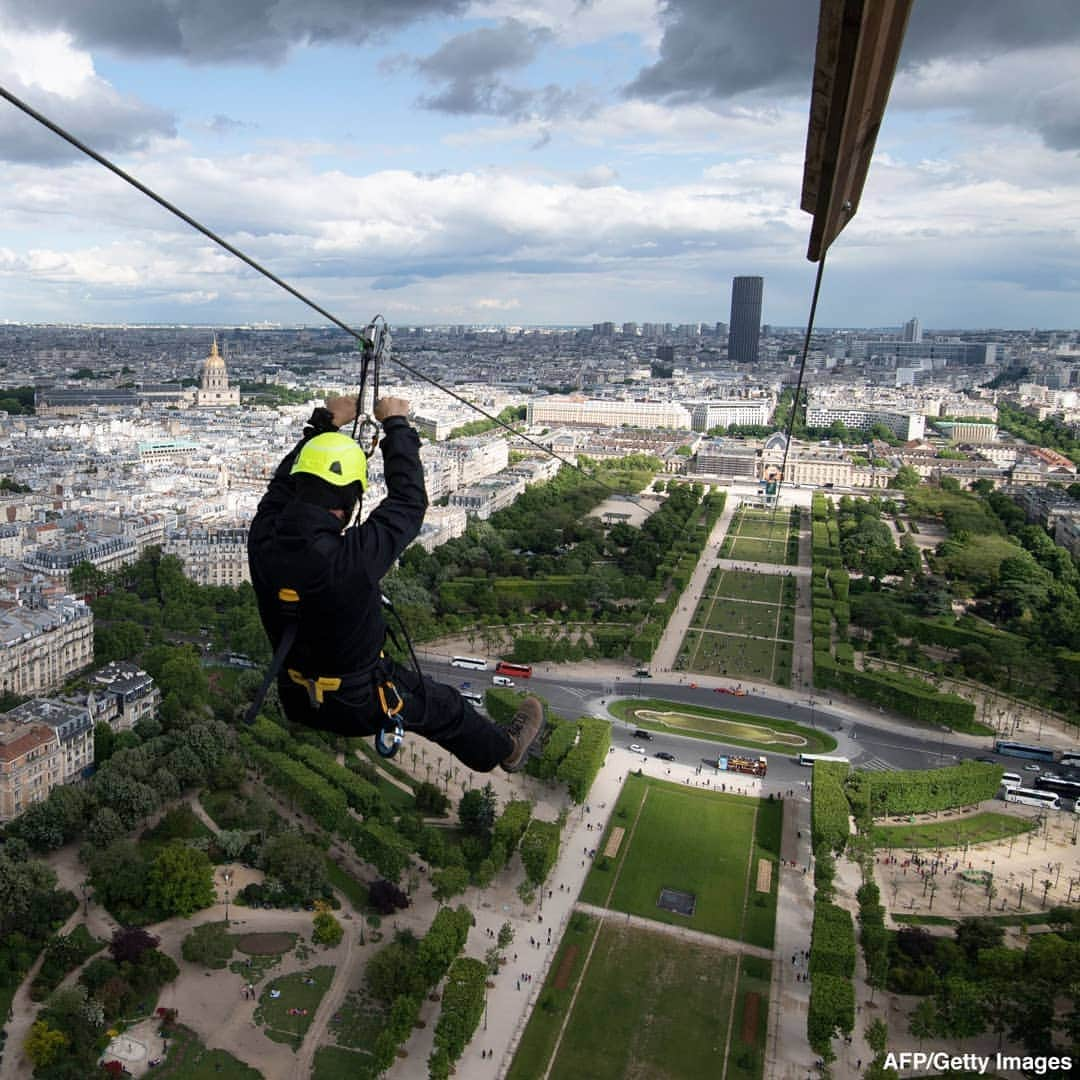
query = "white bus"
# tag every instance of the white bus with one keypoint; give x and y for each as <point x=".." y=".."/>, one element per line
<point x="473" y="695"/>
<point x="809" y="759"/>
<point x="1031" y="797"/>
<point x="1011" y="780"/>
<point x="474" y="663"/>
<point x="1070" y="759"/>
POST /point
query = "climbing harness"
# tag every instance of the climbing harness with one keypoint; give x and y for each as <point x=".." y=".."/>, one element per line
<point x="391" y="733"/>
<point x="374" y="342"/>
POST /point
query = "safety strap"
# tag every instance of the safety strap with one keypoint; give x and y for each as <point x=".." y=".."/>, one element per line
<point x="290" y="610"/>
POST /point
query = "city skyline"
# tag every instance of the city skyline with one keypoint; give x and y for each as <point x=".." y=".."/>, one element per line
<point x="542" y="164"/>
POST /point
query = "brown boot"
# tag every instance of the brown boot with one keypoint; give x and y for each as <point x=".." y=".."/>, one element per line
<point x="524" y="729"/>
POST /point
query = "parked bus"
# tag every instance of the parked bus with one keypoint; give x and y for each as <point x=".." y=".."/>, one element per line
<point x="472" y="662"/>
<point x="1024" y="750"/>
<point x="1031" y="797"/>
<point x="521" y="671"/>
<point x="1058" y="784"/>
<point x="1070" y="759"/>
<point x="1011" y="780"/>
<point x="809" y="759"/>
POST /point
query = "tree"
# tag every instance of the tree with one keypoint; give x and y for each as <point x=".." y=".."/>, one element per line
<point x="476" y="811"/>
<point x="924" y="1020"/>
<point x="394" y="972"/>
<point x="328" y="931"/>
<point x="296" y="863"/>
<point x="130" y="942"/>
<point x="905" y="479"/>
<point x="386" y="898"/>
<point x="43" y="1045"/>
<point x="449" y="882"/>
<point x="181" y="881"/>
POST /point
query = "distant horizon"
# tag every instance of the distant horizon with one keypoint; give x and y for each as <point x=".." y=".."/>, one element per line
<point x="773" y="327"/>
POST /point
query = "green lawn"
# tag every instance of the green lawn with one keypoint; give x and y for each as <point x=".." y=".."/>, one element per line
<point x="743" y="585"/>
<point x="976" y="829"/>
<point x="754" y="550"/>
<point x="746" y="1060"/>
<point x="738" y="617"/>
<point x="650" y="1005"/>
<point x="713" y="653"/>
<point x="189" y="1059"/>
<point x="760" y="925"/>
<point x="354" y="891"/>
<point x="296" y="993"/>
<point x="722" y="725"/>
<point x="539" y="1038"/>
<point x="334" y="1063"/>
<point x="710" y="860"/>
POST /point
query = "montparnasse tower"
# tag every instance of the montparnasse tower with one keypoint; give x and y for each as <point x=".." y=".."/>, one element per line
<point x="214" y="391"/>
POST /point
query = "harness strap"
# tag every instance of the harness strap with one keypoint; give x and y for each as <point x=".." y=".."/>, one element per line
<point x="290" y="603"/>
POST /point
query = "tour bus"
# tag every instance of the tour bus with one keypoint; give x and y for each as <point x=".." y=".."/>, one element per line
<point x="474" y="663"/>
<point x="1024" y="750"/>
<point x="809" y="759"/>
<point x="1011" y="780"/>
<point x="1059" y="785"/>
<point x="1031" y="797"/>
<point x="522" y="671"/>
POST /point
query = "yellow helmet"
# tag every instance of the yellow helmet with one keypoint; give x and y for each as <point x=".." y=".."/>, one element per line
<point x="333" y="457"/>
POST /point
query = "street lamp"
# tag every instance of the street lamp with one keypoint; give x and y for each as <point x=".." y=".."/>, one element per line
<point x="226" y="907"/>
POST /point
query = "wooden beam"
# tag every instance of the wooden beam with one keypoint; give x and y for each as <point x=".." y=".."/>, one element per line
<point x="858" y="48"/>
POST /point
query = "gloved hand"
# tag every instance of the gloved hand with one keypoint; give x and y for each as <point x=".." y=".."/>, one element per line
<point x="390" y="406"/>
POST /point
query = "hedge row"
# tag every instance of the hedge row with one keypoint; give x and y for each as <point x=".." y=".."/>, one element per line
<point x="829" y="806"/>
<point x="381" y="845"/>
<point x="919" y="792"/>
<point x="361" y="795"/>
<point x="911" y="697"/>
<point x="539" y="849"/>
<point x="462" y="1008"/>
<point x="313" y="794"/>
<point x="579" y="768"/>
<point x="832" y="1011"/>
<point x="832" y="942"/>
<point x="874" y="936"/>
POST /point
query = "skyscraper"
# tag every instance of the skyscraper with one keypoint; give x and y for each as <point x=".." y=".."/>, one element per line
<point x="745" y="326"/>
<point x="912" y="331"/>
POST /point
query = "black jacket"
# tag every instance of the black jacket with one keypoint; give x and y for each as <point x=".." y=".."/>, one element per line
<point x="295" y="544"/>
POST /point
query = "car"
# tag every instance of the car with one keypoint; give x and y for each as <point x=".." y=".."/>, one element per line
<point x="986" y="760"/>
<point x="635" y="749"/>
<point x="739" y="693"/>
<point x="1032" y="767"/>
<point x="663" y="755"/>
<point x="693" y="686"/>
<point x="641" y="734"/>
<point x="641" y="673"/>
<point x="721" y="690"/>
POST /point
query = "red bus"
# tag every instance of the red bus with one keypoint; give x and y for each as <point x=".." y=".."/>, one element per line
<point x="522" y="671"/>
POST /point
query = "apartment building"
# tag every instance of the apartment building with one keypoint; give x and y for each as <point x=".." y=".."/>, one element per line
<point x="123" y="694"/>
<point x="60" y="558"/>
<point x="603" y="413"/>
<point x="40" y="648"/>
<point x="211" y="556"/>
<point x="706" y="415"/>
<point x="30" y="764"/>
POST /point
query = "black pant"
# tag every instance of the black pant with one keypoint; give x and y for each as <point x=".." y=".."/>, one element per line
<point x="436" y="711"/>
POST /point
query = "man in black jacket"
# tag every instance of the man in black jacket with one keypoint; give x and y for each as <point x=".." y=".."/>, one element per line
<point x="300" y="539"/>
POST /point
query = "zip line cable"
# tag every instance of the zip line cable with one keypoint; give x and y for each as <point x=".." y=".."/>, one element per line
<point x="280" y="282"/>
<point x="802" y="371"/>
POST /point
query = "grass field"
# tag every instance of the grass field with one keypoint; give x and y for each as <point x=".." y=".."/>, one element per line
<point x="746" y="1058"/>
<point x="977" y="829"/>
<point x="743" y="585"/>
<point x="741" y="617"/>
<point x="714" y="653"/>
<point x="335" y="1063"/>
<point x="296" y="993"/>
<point x="722" y="725"/>
<point x="539" y="1038"/>
<point x="650" y="1005"/>
<point x="710" y="860"/>
<point x="752" y="549"/>
<point x="188" y="1059"/>
<point x="354" y="891"/>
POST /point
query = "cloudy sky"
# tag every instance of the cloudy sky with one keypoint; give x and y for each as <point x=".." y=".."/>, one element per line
<point x="541" y="162"/>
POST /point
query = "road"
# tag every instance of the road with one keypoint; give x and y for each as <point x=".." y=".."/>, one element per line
<point x="866" y="740"/>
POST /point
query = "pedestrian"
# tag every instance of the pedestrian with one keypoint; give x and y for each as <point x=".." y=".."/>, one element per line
<point x="330" y="671"/>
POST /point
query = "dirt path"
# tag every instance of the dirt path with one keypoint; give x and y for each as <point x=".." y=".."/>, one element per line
<point x="327" y="1007"/>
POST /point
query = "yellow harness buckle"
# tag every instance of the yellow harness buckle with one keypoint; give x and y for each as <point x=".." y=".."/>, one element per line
<point x="316" y="688"/>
